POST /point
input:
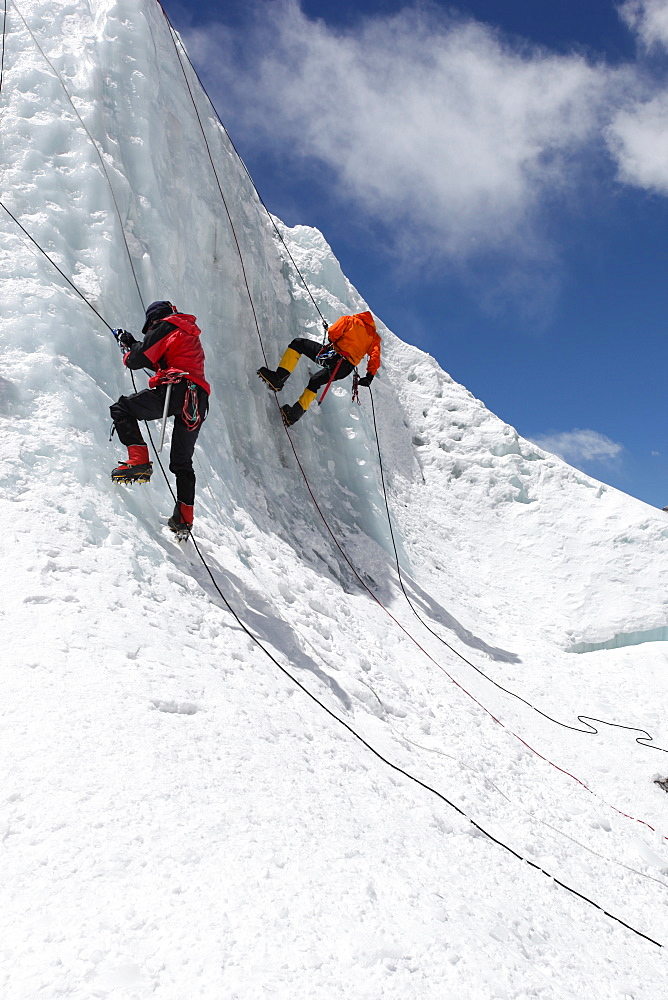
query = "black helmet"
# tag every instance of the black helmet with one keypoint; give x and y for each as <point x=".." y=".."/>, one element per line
<point x="157" y="311"/>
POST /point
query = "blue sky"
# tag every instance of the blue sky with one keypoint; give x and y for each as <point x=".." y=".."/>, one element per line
<point x="493" y="177"/>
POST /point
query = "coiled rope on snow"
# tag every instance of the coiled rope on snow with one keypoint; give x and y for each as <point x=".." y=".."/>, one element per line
<point x="645" y="740"/>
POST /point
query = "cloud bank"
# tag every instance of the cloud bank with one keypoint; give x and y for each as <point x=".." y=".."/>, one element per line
<point x="638" y="139"/>
<point x="648" y="19"/>
<point x="437" y="121"/>
<point x="580" y="446"/>
<point x="638" y="134"/>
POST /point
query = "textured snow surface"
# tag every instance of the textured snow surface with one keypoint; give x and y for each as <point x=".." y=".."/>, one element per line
<point x="177" y="818"/>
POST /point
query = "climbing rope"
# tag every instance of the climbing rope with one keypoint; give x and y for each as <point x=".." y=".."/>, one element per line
<point x="531" y="815"/>
<point x="2" y="58"/>
<point x="645" y="740"/>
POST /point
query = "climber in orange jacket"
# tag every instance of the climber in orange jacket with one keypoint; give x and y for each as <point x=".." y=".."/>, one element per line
<point x="351" y="338"/>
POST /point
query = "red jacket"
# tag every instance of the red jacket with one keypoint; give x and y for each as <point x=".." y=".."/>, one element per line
<point x="172" y="343"/>
<point x="354" y="337"/>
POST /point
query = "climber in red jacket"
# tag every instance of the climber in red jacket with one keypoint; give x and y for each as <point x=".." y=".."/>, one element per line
<point x="351" y="338"/>
<point x="172" y="348"/>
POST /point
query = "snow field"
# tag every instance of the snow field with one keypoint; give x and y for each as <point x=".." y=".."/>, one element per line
<point x="178" y="819"/>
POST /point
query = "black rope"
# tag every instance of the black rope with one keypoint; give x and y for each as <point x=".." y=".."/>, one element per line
<point x="2" y="60"/>
<point x="645" y="740"/>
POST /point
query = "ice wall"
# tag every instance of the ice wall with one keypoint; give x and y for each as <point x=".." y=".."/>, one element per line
<point x="118" y="65"/>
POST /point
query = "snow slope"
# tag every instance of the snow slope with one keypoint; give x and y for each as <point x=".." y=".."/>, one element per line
<point x="178" y="819"/>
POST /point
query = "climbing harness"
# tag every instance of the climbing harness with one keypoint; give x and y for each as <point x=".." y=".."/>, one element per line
<point x="326" y="356"/>
<point x="166" y="376"/>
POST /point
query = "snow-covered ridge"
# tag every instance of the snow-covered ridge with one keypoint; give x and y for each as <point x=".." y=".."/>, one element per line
<point x="189" y="812"/>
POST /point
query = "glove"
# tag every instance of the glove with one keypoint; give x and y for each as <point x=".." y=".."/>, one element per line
<point x="124" y="338"/>
<point x="367" y="380"/>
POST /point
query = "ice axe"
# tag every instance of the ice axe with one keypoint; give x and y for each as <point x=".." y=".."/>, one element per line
<point x="165" y="411"/>
<point x="167" y="377"/>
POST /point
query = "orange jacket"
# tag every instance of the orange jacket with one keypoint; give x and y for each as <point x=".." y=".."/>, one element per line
<point x="354" y="337"/>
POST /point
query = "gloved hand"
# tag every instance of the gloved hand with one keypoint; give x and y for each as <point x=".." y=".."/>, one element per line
<point x="124" y="338"/>
<point x="367" y="380"/>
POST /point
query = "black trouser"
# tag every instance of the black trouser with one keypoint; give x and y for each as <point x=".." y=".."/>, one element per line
<point x="311" y="348"/>
<point x="149" y="405"/>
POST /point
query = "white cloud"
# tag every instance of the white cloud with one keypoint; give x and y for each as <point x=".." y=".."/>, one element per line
<point x="649" y="19"/>
<point x="461" y="140"/>
<point x="580" y="446"/>
<point x="418" y="117"/>
<point x="638" y="138"/>
<point x="638" y="133"/>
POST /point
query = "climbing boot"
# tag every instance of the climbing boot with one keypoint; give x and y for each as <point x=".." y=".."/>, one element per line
<point x="137" y="469"/>
<point x="181" y="521"/>
<point x="275" y="380"/>
<point x="291" y="414"/>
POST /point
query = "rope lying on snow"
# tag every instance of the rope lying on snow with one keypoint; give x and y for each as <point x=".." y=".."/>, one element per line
<point x="645" y="740"/>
